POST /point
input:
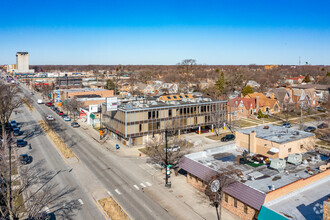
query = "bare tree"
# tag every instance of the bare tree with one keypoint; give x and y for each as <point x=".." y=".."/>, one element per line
<point x="218" y="121"/>
<point x="73" y="106"/>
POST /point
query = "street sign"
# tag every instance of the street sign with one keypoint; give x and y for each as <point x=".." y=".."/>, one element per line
<point x="215" y="186"/>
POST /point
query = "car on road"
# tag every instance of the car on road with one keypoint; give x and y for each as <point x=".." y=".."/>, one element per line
<point x="172" y="148"/>
<point x="13" y="123"/>
<point x="323" y="125"/>
<point x="32" y="93"/>
<point x="53" y="107"/>
<point x="49" y="104"/>
<point x="17" y="132"/>
<point x="228" y="137"/>
<point x="64" y="115"/>
<point x="67" y="119"/>
<point x="310" y="129"/>
<point x="320" y="109"/>
<point x="21" y="143"/>
<point x="202" y="131"/>
<point x="50" y="118"/>
<point x="25" y="159"/>
<point x="286" y="125"/>
<point x="75" y="124"/>
<point x="39" y="101"/>
<point x="60" y="113"/>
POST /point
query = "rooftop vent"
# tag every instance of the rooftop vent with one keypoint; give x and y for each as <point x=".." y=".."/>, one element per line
<point x="277" y="164"/>
<point x="295" y="159"/>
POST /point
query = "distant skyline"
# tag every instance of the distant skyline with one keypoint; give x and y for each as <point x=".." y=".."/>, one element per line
<point x="214" y="32"/>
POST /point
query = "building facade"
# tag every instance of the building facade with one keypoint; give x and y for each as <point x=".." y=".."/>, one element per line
<point x="22" y="62"/>
<point x="134" y="122"/>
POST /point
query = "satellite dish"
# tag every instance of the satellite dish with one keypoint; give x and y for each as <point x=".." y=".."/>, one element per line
<point x="215" y="186"/>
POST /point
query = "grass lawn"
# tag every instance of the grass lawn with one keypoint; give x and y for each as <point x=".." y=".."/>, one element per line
<point x="19" y="202"/>
<point x="243" y="123"/>
<point x="217" y="138"/>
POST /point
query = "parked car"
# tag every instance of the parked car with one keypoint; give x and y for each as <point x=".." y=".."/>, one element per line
<point x="320" y="109"/>
<point x="323" y="125"/>
<point x="17" y="132"/>
<point x="64" y="115"/>
<point x="13" y="123"/>
<point x="228" y="137"/>
<point x="21" y="143"/>
<point x="49" y="104"/>
<point x="202" y="131"/>
<point x="75" y="124"/>
<point x="39" y="101"/>
<point x="67" y="119"/>
<point x="25" y="159"/>
<point x="60" y="113"/>
<point x="53" y="108"/>
<point x="286" y="125"/>
<point x="310" y="129"/>
<point x="50" y="118"/>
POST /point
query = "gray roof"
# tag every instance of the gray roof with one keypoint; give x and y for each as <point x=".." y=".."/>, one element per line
<point x="280" y="93"/>
<point x="246" y="194"/>
<point x="277" y="134"/>
<point x="315" y="86"/>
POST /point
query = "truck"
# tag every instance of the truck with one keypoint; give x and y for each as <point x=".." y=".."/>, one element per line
<point x="39" y="101"/>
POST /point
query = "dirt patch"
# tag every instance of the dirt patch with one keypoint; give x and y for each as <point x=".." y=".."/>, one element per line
<point x="112" y="208"/>
<point x="28" y="105"/>
<point x="65" y="150"/>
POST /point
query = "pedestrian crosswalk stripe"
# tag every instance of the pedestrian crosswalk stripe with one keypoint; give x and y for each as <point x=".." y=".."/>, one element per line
<point x="136" y="187"/>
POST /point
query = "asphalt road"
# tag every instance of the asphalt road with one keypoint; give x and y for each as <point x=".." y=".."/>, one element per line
<point x="117" y="175"/>
<point x="75" y="204"/>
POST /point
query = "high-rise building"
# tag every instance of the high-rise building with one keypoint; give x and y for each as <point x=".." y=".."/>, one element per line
<point x="22" y="62"/>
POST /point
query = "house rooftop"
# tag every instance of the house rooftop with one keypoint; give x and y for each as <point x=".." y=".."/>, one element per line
<point x="261" y="177"/>
<point x="277" y="134"/>
<point x="305" y="203"/>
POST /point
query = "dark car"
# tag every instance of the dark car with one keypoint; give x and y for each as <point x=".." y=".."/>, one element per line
<point x="228" y="137"/>
<point x="53" y="107"/>
<point x="25" y="159"/>
<point x="286" y="125"/>
<point x="64" y="115"/>
<point x="75" y="125"/>
<point x="202" y="131"/>
<point x="323" y="125"/>
<point x="310" y="129"/>
<point x="320" y="109"/>
<point x="17" y="132"/>
<point x="21" y="143"/>
<point x="13" y="123"/>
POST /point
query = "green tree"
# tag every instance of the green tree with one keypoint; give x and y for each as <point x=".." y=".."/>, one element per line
<point x="260" y="114"/>
<point x="220" y="83"/>
<point x="246" y="90"/>
<point x="307" y="78"/>
<point x="328" y="73"/>
<point x="110" y="85"/>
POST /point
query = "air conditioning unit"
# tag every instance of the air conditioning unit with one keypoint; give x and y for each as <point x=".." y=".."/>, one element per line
<point x="295" y="159"/>
<point x="277" y="164"/>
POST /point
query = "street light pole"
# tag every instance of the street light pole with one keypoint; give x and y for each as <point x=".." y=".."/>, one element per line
<point x="166" y="160"/>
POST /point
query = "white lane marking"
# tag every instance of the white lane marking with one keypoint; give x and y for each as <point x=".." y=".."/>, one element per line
<point x="149" y="184"/>
<point x="109" y="193"/>
<point x="81" y="202"/>
<point x="142" y="185"/>
<point x="117" y="191"/>
<point x="136" y="187"/>
<point x="47" y="209"/>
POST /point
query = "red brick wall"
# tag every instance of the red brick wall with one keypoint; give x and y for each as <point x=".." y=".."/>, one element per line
<point x="239" y="210"/>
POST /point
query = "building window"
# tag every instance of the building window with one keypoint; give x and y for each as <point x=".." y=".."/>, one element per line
<point x="245" y="208"/>
<point x="157" y="114"/>
<point x="149" y="115"/>
<point x="140" y="127"/>
<point x="153" y="114"/>
<point x="289" y="150"/>
<point x="158" y="125"/>
<point x="235" y="203"/>
<point x="226" y="197"/>
<point x="170" y="113"/>
<point x="301" y="147"/>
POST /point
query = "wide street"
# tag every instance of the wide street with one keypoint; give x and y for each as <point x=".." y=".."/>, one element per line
<point x="99" y="170"/>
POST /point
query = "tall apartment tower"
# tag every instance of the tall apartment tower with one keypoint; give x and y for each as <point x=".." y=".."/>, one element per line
<point x="22" y="62"/>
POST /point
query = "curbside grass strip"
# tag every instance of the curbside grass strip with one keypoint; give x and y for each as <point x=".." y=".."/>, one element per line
<point x="113" y="209"/>
<point x="65" y="150"/>
<point x="28" y="105"/>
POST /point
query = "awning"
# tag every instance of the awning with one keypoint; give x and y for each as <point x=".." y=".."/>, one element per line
<point x="274" y="150"/>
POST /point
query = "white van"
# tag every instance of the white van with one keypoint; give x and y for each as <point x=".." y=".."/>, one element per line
<point x="39" y="101"/>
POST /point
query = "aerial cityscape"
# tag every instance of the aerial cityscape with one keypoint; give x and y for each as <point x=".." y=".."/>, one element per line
<point x="165" y="110"/>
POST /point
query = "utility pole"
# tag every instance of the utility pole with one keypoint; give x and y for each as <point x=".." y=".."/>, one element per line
<point x="167" y="172"/>
<point x="301" y="117"/>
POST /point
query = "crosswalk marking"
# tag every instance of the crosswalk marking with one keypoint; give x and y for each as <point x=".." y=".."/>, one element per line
<point x="149" y="184"/>
<point x="81" y="202"/>
<point x="109" y="193"/>
<point x="117" y="191"/>
<point x="142" y="185"/>
<point x="136" y="187"/>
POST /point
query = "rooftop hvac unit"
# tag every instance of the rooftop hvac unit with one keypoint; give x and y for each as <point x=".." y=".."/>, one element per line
<point x="295" y="159"/>
<point x="277" y="164"/>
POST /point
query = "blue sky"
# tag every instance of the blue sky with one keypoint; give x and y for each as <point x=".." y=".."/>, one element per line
<point x="166" y="32"/>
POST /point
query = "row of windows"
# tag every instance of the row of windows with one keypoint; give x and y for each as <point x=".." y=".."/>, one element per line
<point x="235" y="203"/>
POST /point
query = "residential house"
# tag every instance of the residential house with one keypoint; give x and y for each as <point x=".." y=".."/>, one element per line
<point x="169" y="88"/>
<point x="282" y="95"/>
<point x="267" y="105"/>
<point x="295" y="80"/>
<point x="321" y="91"/>
<point x="242" y="107"/>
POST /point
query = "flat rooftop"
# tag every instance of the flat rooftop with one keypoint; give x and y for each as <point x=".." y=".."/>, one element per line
<point x="305" y="203"/>
<point x="81" y="90"/>
<point x="277" y="133"/>
<point x="261" y="178"/>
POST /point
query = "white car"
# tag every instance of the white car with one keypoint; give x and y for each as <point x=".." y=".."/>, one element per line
<point x="50" y="118"/>
<point x="39" y="101"/>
